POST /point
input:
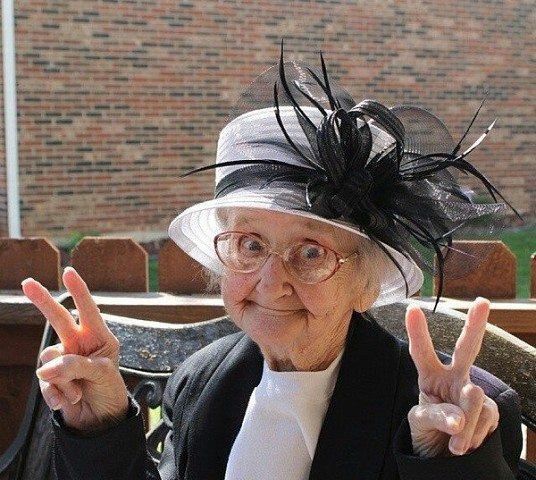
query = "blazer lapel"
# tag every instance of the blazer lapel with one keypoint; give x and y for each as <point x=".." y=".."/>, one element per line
<point x="356" y="431"/>
<point x="216" y="421"/>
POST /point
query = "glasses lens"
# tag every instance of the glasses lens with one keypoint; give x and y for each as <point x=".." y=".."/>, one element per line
<point x="312" y="263"/>
<point x="240" y="251"/>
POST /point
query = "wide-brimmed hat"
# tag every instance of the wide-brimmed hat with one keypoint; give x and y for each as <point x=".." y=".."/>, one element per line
<point x="297" y="144"/>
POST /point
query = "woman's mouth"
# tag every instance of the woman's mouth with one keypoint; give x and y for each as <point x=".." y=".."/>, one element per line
<point x="275" y="311"/>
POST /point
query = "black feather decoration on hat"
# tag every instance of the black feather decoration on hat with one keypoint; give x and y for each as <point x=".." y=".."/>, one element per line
<point x="403" y="193"/>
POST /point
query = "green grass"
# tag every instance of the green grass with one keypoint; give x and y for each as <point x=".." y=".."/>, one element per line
<point x="154" y="416"/>
<point x="153" y="275"/>
<point x="523" y="244"/>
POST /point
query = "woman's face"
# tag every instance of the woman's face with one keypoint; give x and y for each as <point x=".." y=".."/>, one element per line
<point x="281" y="313"/>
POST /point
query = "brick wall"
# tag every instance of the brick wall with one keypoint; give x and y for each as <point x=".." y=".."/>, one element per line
<point x="118" y="98"/>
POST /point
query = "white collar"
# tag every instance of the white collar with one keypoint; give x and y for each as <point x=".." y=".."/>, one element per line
<point x="302" y="396"/>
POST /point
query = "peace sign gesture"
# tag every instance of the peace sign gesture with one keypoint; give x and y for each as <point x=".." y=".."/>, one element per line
<point x="80" y="375"/>
<point x="453" y="414"/>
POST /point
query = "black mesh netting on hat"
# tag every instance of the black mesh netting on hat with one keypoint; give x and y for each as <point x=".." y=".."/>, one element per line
<point x="393" y="173"/>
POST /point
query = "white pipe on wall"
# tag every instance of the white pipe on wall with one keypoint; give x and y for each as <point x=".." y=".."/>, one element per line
<point x="10" y="118"/>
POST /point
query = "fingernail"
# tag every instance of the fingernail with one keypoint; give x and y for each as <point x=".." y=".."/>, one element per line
<point x="457" y="447"/>
<point x="67" y="269"/>
<point x="25" y="281"/>
<point x="55" y="403"/>
<point x="43" y="373"/>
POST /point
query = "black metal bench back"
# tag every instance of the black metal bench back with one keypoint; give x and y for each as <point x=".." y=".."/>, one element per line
<point x="151" y="351"/>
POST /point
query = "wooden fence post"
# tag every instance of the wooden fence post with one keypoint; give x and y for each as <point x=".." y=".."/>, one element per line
<point x="495" y="277"/>
<point x="112" y="264"/>
<point x="178" y="272"/>
<point x="21" y="325"/>
<point x="29" y="257"/>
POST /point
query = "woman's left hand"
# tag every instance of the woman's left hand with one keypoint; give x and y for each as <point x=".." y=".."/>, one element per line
<point x="454" y="416"/>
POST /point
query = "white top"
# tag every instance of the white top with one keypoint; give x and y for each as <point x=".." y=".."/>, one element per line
<point x="278" y="437"/>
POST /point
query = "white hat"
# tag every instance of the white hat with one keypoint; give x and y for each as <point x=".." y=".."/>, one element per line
<point x="195" y="228"/>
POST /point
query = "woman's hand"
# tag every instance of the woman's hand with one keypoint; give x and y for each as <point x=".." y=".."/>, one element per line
<point x="453" y="416"/>
<point x="80" y="375"/>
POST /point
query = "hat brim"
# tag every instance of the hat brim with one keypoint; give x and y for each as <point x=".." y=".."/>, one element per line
<point x="194" y="230"/>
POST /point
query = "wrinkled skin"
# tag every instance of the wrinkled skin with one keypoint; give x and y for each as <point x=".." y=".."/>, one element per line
<point x="80" y="375"/>
<point x="453" y="416"/>
<point x="297" y="326"/>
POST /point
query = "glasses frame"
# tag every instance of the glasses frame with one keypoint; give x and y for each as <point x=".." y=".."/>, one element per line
<point x="340" y="259"/>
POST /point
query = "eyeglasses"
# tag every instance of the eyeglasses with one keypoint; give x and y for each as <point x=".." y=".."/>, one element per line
<point x="309" y="262"/>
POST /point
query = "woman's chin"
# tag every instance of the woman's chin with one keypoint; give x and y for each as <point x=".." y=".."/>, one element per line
<point x="272" y="327"/>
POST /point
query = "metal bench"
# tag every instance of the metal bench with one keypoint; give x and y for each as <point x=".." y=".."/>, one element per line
<point x="151" y="351"/>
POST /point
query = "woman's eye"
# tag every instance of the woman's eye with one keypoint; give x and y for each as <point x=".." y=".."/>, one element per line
<point x="250" y="245"/>
<point x="312" y="252"/>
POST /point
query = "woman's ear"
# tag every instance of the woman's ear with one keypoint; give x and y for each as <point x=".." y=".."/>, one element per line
<point x="367" y="286"/>
<point x="367" y="295"/>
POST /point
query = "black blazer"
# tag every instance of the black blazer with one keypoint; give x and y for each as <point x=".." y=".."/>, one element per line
<point x="364" y="436"/>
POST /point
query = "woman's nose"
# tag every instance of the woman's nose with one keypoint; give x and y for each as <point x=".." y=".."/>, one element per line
<point x="274" y="278"/>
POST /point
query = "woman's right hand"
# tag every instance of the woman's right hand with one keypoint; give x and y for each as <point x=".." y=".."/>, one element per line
<point x="81" y="374"/>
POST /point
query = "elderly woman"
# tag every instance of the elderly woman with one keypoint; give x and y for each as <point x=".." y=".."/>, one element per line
<point x="314" y="220"/>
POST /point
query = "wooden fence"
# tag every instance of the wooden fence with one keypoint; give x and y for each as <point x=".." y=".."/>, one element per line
<point x="117" y="273"/>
